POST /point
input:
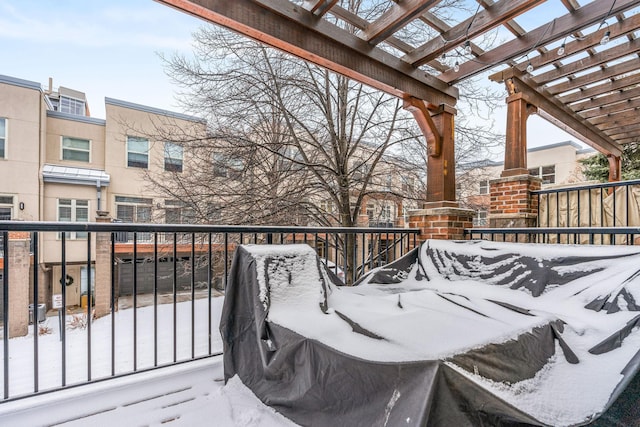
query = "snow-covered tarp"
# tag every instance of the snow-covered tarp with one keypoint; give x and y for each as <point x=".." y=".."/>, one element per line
<point x="454" y="333"/>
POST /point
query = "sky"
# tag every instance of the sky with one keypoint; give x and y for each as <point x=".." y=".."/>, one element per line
<point x="112" y="49"/>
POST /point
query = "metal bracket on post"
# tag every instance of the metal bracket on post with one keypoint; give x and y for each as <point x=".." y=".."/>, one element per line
<point x="421" y="113"/>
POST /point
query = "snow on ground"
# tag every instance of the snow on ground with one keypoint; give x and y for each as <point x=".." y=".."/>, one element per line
<point x="189" y="394"/>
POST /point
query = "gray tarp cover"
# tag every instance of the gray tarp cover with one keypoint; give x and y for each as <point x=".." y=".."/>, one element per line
<point x="314" y="384"/>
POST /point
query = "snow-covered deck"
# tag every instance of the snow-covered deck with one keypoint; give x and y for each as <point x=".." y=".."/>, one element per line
<point x="190" y="394"/>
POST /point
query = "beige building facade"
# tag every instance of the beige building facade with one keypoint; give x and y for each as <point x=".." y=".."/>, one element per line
<point x="59" y="164"/>
<point x="558" y="165"/>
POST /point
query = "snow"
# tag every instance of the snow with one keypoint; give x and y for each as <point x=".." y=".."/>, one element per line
<point x="454" y="311"/>
<point x="450" y="313"/>
<point x="189" y="394"/>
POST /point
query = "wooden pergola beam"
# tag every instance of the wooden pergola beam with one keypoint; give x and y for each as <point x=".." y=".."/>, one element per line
<point x="605" y="100"/>
<point x="319" y="7"/>
<point x="395" y="18"/>
<point x="599" y="58"/>
<point x="591" y="135"/>
<point x="607" y="87"/>
<point x="599" y="75"/>
<point x="586" y="42"/>
<point x="485" y="20"/>
<point x="605" y="110"/>
<point x="616" y="117"/>
<point x="293" y="29"/>
<point x="589" y="14"/>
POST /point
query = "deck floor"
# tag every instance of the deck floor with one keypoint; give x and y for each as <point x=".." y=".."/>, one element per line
<point x="191" y="394"/>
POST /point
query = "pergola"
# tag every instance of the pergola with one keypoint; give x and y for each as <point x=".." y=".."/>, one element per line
<point x="578" y="68"/>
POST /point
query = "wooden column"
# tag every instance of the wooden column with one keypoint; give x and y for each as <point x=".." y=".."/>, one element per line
<point x="615" y="168"/>
<point x="515" y="155"/>
<point x="441" y="169"/>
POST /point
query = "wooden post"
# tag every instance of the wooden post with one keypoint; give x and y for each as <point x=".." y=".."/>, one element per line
<point x="515" y="155"/>
<point x="441" y="170"/>
<point x="615" y="168"/>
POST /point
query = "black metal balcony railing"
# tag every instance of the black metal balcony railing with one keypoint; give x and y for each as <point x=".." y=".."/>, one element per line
<point x="157" y="329"/>
<point x="604" y="213"/>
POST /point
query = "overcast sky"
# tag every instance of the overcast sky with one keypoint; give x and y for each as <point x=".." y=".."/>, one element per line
<point x="110" y="48"/>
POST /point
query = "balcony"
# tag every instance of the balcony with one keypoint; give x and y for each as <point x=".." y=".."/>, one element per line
<point x="149" y="303"/>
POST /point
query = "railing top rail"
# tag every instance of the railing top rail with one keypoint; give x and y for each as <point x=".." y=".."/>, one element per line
<point x="555" y="230"/>
<point x="588" y="187"/>
<point x="187" y="228"/>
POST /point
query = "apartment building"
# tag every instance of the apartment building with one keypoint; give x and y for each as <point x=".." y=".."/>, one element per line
<point x="57" y="163"/>
<point x="558" y="165"/>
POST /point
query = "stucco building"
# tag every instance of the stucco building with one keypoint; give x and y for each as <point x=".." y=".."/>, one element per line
<point x="556" y="164"/>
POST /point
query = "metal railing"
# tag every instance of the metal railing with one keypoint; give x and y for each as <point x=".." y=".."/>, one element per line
<point x="568" y="235"/>
<point x="600" y="214"/>
<point x="611" y="204"/>
<point x="111" y="334"/>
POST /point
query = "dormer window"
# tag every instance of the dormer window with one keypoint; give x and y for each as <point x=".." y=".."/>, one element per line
<point x="72" y="105"/>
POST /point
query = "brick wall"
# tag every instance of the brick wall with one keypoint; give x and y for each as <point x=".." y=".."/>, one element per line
<point x="512" y="204"/>
<point x="441" y="223"/>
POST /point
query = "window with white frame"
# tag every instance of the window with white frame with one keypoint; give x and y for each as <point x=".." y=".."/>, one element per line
<point x="137" y="152"/>
<point x="3" y="138"/>
<point x="484" y="186"/>
<point x="72" y="105"/>
<point x="134" y="209"/>
<point x="73" y="210"/>
<point x="6" y="208"/>
<point x="173" y="155"/>
<point x="177" y="213"/>
<point x="480" y="218"/>
<point x="76" y="149"/>
<point x="547" y="173"/>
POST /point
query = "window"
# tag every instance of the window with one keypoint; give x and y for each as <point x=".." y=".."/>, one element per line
<point x="407" y="185"/>
<point x="177" y="213"/>
<point x="547" y="173"/>
<point x="137" y="152"/>
<point x="76" y="149"/>
<point x="134" y="209"/>
<point x="371" y="211"/>
<point x="72" y="105"/>
<point x="83" y="280"/>
<point x="172" y="157"/>
<point x="6" y="208"/>
<point x="72" y="210"/>
<point x="227" y="167"/>
<point x="484" y="186"/>
<point x="481" y="218"/>
<point x="327" y="206"/>
<point x="3" y="138"/>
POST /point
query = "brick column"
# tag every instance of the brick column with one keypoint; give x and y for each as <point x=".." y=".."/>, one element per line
<point x="103" y="269"/>
<point x="511" y="202"/>
<point x="441" y="223"/>
<point x="18" y="274"/>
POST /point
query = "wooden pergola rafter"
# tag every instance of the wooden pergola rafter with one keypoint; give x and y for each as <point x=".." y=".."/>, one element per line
<point x="578" y="89"/>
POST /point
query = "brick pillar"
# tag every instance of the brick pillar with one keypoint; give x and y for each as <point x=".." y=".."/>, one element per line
<point x="103" y="269"/>
<point x="511" y="202"/>
<point x="18" y="274"/>
<point x="441" y="223"/>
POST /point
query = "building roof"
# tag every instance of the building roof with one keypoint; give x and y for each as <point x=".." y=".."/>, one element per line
<point x="74" y="175"/>
<point x="14" y="81"/>
<point x="152" y="110"/>
<point x="75" y="117"/>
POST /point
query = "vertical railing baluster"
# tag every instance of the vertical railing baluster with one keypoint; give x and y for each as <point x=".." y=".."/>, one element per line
<point x="209" y="282"/>
<point x="5" y="311"/>
<point x="155" y="298"/>
<point x="175" y="295"/>
<point x="226" y="258"/>
<point x="135" y="301"/>
<point x="89" y="306"/>
<point x="36" y="285"/>
<point x="63" y="318"/>
<point x="193" y="295"/>
<point x="113" y="304"/>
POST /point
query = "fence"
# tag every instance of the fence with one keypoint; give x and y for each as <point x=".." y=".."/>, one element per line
<point x="157" y="329"/>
